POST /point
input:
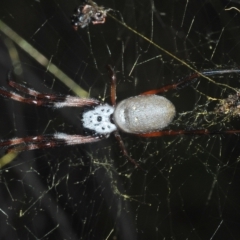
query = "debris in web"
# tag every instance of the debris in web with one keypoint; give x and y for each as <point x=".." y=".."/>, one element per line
<point x="229" y="105"/>
<point x="87" y="13"/>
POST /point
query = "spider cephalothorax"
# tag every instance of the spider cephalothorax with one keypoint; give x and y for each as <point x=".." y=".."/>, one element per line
<point x="99" y="119"/>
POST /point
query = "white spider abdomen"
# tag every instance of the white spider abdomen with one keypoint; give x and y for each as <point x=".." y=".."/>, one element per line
<point x="99" y="120"/>
<point x="143" y="114"/>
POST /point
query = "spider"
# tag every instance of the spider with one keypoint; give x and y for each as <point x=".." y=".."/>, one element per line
<point x="87" y="13"/>
<point x="145" y="115"/>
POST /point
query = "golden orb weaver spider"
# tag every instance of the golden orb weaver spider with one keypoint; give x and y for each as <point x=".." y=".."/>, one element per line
<point x="145" y="115"/>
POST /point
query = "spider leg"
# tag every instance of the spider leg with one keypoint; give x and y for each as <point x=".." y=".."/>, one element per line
<point x="23" y="89"/>
<point x="113" y="84"/>
<point x="47" y="100"/>
<point x="116" y="133"/>
<point x="20" y="87"/>
<point x="46" y="141"/>
<point x="189" y="80"/>
<point x="186" y="132"/>
<point x="124" y="150"/>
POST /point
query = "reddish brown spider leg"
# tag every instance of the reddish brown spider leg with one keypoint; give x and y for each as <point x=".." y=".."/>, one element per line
<point x="188" y="80"/>
<point x="185" y="132"/>
<point x="113" y="84"/>
<point x="23" y="89"/>
<point x="171" y="86"/>
<point x="47" y="100"/>
<point x="46" y="141"/>
<point x="124" y="150"/>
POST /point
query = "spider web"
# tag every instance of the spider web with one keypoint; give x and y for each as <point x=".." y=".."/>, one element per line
<point x="189" y="188"/>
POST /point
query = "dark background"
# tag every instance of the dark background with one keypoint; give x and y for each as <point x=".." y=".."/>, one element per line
<point x="190" y="187"/>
